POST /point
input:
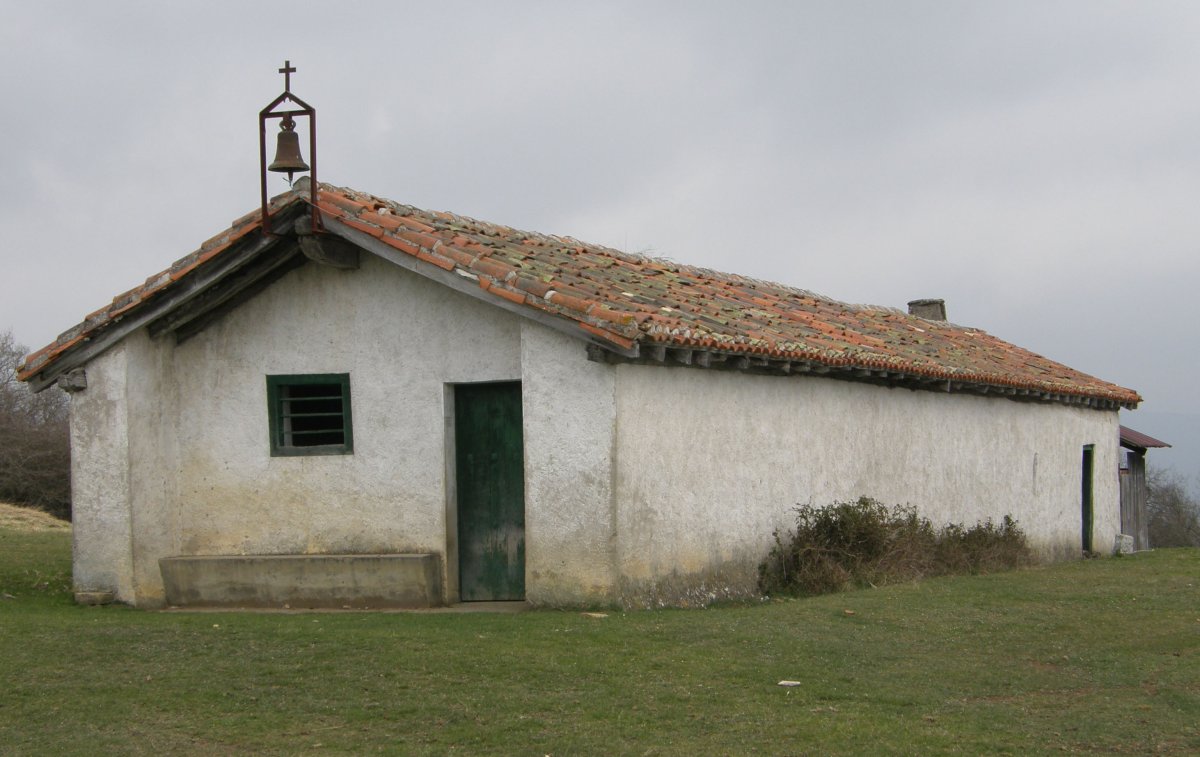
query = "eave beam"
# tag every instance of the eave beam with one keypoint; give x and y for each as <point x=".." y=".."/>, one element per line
<point x="663" y="355"/>
<point x="160" y="304"/>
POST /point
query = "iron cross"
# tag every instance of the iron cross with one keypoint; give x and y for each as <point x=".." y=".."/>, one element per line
<point x="287" y="72"/>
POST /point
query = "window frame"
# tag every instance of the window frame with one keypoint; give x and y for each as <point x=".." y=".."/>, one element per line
<point x="275" y="414"/>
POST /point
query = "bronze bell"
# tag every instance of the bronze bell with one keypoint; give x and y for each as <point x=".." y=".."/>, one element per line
<point x="287" y="151"/>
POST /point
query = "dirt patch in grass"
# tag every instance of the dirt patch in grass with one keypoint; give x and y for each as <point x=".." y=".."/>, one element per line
<point x="28" y="519"/>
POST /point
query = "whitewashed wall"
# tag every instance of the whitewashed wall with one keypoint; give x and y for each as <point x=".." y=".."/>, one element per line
<point x="644" y="485"/>
<point x="709" y="463"/>
<point x="200" y="476"/>
<point x="100" y="515"/>
<point x="569" y="414"/>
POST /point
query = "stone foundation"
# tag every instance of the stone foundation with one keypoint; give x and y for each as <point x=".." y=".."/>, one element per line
<point x="303" y="581"/>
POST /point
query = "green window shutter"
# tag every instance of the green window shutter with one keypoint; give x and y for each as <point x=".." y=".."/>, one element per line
<point x="309" y="414"/>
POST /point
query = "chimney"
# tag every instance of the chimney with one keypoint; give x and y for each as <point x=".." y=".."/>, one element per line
<point x="930" y="310"/>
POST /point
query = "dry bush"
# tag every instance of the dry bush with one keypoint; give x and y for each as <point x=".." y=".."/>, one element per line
<point x="986" y="547"/>
<point x="863" y="543"/>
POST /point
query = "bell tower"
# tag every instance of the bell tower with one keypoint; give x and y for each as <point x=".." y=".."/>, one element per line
<point x="288" y="157"/>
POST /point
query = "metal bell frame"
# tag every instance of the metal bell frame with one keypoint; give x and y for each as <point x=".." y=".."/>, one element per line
<point x="269" y="112"/>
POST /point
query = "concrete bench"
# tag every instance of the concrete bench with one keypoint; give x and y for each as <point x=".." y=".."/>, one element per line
<point x="303" y="581"/>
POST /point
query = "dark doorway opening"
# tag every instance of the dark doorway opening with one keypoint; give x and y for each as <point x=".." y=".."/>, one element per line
<point x="1086" y="495"/>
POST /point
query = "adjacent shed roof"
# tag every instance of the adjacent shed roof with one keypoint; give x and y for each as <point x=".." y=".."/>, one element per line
<point x="1137" y="440"/>
<point x="639" y="308"/>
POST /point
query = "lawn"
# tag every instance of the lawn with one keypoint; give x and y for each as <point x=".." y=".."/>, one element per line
<point x="1093" y="656"/>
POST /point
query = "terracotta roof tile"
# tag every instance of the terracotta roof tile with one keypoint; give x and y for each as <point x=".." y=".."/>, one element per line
<point x="625" y="299"/>
<point x="438" y="260"/>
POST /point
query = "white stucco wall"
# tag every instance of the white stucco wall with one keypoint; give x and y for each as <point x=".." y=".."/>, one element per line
<point x="152" y="397"/>
<point x="100" y="513"/>
<point x="710" y="463"/>
<point x="200" y="478"/>
<point x="401" y="340"/>
<point x="643" y="484"/>
<point x="569" y="414"/>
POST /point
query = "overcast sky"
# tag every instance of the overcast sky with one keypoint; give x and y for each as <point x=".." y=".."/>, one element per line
<point x="1035" y="164"/>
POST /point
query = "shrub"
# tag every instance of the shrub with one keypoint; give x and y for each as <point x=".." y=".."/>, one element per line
<point x="865" y="543"/>
<point x="986" y="547"/>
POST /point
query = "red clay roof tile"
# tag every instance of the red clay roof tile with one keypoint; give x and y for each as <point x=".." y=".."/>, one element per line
<point x="375" y="231"/>
<point x="401" y="244"/>
<point x="438" y="260"/>
<point x="508" y="294"/>
<point x="386" y="221"/>
<point x="624" y="299"/>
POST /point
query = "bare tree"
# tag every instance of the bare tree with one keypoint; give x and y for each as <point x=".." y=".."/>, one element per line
<point x="35" y="450"/>
<point x="1174" y="514"/>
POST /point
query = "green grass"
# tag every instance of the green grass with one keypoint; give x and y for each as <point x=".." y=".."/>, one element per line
<point x="1093" y="656"/>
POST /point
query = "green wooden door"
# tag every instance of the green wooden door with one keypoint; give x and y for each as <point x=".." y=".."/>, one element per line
<point x="491" y="491"/>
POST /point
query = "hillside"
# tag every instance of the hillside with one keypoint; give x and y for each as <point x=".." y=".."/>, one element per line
<point x="28" y="519"/>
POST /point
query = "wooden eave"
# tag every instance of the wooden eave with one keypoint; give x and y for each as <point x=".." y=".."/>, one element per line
<point x="671" y="356"/>
<point x="188" y="305"/>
